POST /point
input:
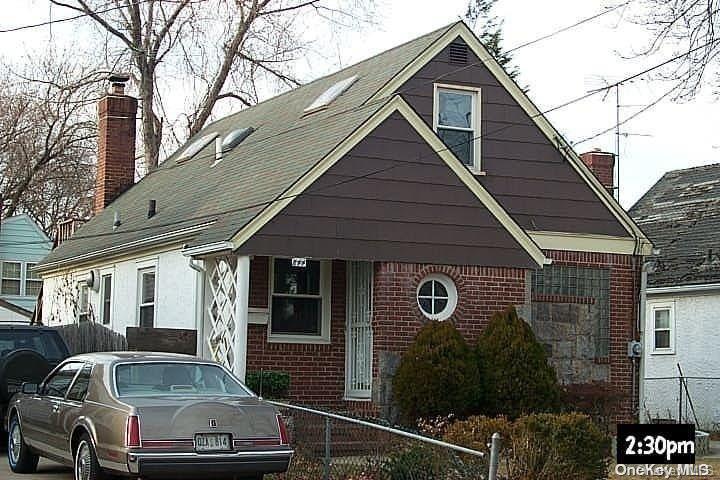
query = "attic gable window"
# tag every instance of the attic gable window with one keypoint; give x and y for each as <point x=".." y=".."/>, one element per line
<point x="329" y="95"/>
<point x="456" y="120"/>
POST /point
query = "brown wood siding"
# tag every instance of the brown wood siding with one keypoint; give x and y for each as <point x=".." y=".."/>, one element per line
<point x="526" y="173"/>
<point x="391" y="198"/>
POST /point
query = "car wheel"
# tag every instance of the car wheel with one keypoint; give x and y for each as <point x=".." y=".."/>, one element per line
<point x="20" y="458"/>
<point x="86" y="466"/>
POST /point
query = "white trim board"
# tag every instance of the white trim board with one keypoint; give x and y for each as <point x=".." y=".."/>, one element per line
<point x="589" y="243"/>
<point x="461" y="30"/>
<point x="396" y="104"/>
<point x="684" y="289"/>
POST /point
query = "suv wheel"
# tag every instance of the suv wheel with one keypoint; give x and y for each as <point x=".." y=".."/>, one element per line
<point x="86" y="466"/>
<point x="20" y="458"/>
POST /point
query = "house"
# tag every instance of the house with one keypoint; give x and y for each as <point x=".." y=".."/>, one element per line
<point x="22" y="245"/>
<point x="681" y="214"/>
<point x="317" y="231"/>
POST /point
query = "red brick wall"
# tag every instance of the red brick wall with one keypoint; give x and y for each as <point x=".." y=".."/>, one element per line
<point x="116" y="148"/>
<point x="482" y="291"/>
<point x="259" y="282"/>
<point x="624" y="289"/>
<point x="317" y="372"/>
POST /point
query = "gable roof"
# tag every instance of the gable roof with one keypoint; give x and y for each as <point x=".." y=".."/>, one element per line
<point x="250" y="176"/>
<point x="462" y="31"/>
<point x="681" y="215"/>
<point x="213" y="207"/>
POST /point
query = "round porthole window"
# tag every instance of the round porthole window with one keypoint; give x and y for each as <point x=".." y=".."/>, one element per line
<point x="437" y="296"/>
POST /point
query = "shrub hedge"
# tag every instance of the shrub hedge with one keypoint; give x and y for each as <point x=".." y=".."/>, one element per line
<point x="437" y="375"/>
<point x="268" y="383"/>
<point x="514" y="367"/>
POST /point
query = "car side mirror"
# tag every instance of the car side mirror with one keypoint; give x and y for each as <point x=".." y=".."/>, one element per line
<point x="29" y="388"/>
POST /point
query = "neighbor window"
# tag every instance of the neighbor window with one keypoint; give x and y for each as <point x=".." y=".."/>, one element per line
<point x="662" y="321"/>
<point x="11" y="278"/>
<point x="83" y="307"/>
<point x="437" y="297"/>
<point x="300" y="300"/>
<point x="106" y="298"/>
<point x="457" y="122"/>
<point x="33" y="282"/>
<point x="146" y="297"/>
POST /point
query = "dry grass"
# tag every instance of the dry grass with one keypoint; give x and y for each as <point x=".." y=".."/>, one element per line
<point x="713" y="462"/>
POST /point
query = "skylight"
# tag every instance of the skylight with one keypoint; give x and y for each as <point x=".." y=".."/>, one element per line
<point x="329" y="95"/>
<point x="196" y="146"/>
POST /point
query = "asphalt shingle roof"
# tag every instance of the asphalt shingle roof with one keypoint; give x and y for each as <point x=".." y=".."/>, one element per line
<point x="285" y="145"/>
<point x="680" y="214"/>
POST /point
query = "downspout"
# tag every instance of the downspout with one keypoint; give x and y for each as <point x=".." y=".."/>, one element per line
<point x="199" y="301"/>
<point x="647" y="267"/>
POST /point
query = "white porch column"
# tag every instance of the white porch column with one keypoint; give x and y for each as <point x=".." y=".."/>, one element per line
<point x="242" y="282"/>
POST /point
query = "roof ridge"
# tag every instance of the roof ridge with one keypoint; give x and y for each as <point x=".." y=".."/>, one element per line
<point x="336" y="72"/>
<point x="696" y="167"/>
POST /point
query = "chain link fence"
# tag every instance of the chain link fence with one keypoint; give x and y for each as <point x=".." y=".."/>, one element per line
<point x="691" y="399"/>
<point x="334" y="447"/>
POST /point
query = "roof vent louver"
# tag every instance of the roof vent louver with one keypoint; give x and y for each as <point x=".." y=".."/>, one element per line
<point x="196" y="146"/>
<point x="458" y="53"/>
<point x="329" y="95"/>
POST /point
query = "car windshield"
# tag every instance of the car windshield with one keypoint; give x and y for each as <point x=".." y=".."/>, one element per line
<point x="47" y="344"/>
<point x="175" y="378"/>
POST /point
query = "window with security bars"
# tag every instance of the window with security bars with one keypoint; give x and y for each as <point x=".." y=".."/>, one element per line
<point x="576" y="284"/>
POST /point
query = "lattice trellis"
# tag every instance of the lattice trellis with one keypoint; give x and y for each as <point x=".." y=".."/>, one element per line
<point x="221" y="289"/>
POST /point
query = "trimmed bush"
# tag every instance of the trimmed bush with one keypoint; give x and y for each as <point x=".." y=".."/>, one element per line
<point x="599" y="400"/>
<point x="268" y="383"/>
<point x="514" y="366"/>
<point x="437" y="375"/>
<point x="476" y="432"/>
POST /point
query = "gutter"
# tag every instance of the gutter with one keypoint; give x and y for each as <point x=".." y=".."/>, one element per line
<point x="207" y="248"/>
<point x="153" y="241"/>
<point x="705" y="287"/>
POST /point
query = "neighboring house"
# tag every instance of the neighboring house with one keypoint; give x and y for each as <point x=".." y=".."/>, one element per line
<point x="22" y="245"/>
<point x="681" y="214"/>
<point x="316" y="232"/>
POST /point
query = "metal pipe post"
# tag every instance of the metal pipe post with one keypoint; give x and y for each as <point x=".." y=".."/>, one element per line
<point x="326" y="472"/>
<point x="494" y="456"/>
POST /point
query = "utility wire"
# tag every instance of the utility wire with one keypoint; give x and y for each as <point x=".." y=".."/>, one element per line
<point x="218" y="214"/>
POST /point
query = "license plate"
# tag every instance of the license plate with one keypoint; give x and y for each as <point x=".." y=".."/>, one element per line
<point x="212" y="442"/>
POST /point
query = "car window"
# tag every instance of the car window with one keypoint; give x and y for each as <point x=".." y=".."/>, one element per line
<point x="58" y="383"/>
<point x="47" y="344"/>
<point x="175" y="378"/>
<point x="82" y="382"/>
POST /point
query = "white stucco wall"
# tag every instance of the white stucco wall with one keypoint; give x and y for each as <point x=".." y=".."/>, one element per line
<point x="175" y="287"/>
<point x="695" y="347"/>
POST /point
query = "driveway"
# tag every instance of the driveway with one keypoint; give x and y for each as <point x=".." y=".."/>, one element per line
<point x="47" y="470"/>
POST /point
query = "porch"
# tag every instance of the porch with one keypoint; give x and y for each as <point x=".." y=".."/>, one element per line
<point x="310" y="318"/>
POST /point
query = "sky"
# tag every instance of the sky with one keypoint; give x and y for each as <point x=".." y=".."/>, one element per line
<point x="667" y="136"/>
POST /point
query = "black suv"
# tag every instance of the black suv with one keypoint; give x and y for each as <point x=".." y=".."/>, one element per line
<point x="27" y="354"/>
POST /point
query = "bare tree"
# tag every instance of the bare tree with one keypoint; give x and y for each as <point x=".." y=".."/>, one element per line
<point x="216" y="49"/>
<point x="47" y="140"/>
<point x="690" y="28"/>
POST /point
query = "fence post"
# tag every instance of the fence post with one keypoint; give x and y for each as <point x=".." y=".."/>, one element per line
<point x="494" y="456"/>
<point x="680" y="399"/>
<point x="326" y="472"/>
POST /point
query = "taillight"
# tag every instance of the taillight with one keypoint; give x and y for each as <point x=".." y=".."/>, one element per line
<point x="132" y="432"/>
<point x="283" y="431"/>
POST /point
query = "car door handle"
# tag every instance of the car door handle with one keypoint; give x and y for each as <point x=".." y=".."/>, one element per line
<point x="55" y="408"/>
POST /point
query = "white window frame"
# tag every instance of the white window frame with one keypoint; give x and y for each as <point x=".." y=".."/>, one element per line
<point x="140" y="272"/>
<point x="20" y="279"/>
<point x="82" y="286"/>
<point x="476" y="167"/>
<point x="26" y="269"/>
<point x="101" y="300"/>
<point x="325" y="295"/>
<point x="449" y="285"/>
<point x="670" y="307"/>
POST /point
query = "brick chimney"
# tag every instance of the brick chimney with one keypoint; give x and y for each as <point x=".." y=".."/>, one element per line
<point x="116" y="143"/>
<point x="602" y="164"/>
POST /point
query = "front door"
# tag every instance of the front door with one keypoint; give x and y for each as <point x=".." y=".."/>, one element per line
<point x="358" y="332"/>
